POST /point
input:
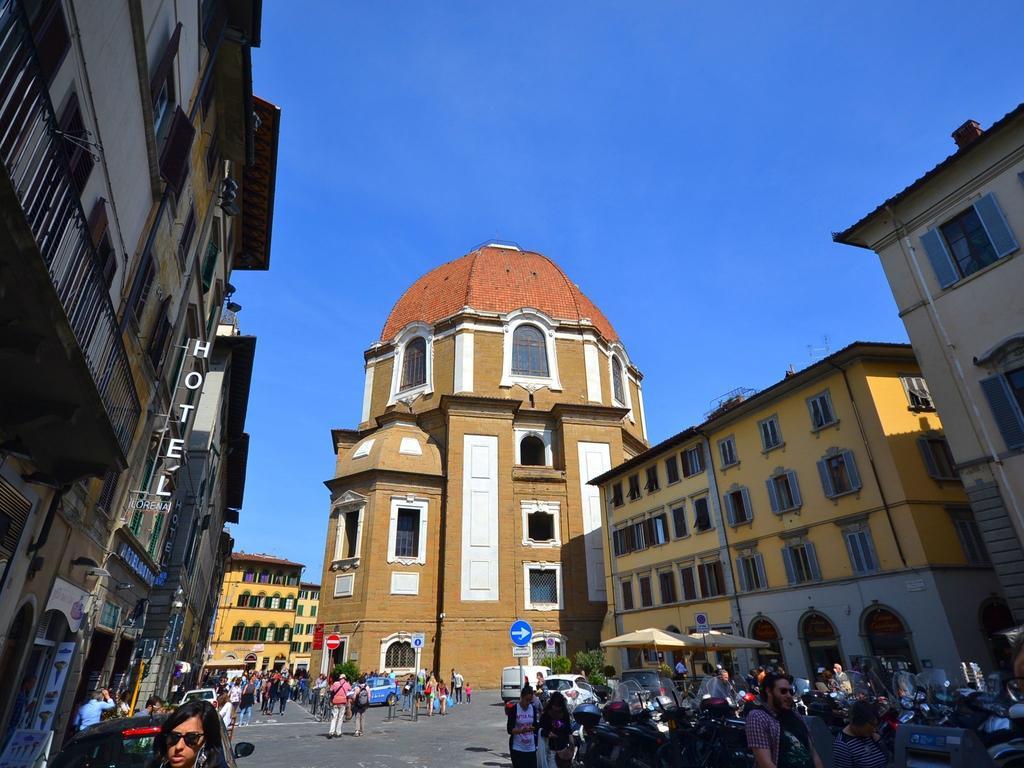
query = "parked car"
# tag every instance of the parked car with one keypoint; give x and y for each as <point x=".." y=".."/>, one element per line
<point x="575" y="688"/>
<point x="382" y="690"/>
<point x="127" y="743"/>
<point x="512" y="679"/>
<point x="206" y="694"/>
<point x="654" y="682"/>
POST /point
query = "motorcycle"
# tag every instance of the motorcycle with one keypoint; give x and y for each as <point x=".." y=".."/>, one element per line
<point x="626" y="736"/>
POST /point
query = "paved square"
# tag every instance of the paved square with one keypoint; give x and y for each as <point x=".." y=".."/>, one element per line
<point x="470" y="736"/>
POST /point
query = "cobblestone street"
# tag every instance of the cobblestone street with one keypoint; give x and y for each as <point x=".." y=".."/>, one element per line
<point x="471" y="735"/>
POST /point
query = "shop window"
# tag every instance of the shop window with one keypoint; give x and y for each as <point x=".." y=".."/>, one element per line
<point x="820" y="641"/>
<point x="766" y="632"/>
<point x="888" y="637"/>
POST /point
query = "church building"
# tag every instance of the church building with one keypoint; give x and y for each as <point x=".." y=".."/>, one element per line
<point x="461" y="502"/>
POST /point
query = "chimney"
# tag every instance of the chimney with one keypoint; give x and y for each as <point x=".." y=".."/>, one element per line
<point x="967" y="134"/>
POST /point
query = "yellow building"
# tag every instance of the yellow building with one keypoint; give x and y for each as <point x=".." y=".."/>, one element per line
<point x="256" y="613"/>
<point x="822" y="515"/>
<point x="306" y="609"/>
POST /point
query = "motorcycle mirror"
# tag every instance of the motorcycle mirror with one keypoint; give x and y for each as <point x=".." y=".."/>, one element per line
<point x="906" y="717"/>
<point x="1017" y="711"/>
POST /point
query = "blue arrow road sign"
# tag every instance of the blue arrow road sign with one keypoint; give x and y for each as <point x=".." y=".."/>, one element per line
<point x="520" y="632"/>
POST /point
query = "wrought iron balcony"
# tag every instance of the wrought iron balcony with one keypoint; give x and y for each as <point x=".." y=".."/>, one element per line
<point x="34" y="157"/>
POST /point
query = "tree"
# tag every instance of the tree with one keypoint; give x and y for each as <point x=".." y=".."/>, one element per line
<point x="592" y="665"/>
<point x="348" y="669"/>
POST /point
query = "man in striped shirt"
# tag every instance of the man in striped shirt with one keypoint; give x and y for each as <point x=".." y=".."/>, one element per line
<point x="776" y="735"/>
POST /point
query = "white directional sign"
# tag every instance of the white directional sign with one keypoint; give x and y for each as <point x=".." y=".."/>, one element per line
<point x="701" y="620"/>
<point x="521" y="651"/>
<point x="521" y="632"/>
<point x="417" y="640"/>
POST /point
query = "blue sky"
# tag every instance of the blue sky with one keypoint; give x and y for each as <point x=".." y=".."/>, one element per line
<point x="684" y="163"/>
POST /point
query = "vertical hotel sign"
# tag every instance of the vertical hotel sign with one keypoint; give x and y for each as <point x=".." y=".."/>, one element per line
<point x="170" y="451"/>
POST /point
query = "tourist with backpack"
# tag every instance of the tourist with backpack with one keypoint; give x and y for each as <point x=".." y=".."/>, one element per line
<point x="360" y="696"/>
<point x="339" y="691"/>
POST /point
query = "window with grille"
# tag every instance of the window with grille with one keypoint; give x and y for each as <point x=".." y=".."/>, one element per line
<point x="618" y="390"/>
<point x="701" y="515"/>
<point x="688" y="583"/>
<point x="679" y="521"/>
<point x="543" y="586"/>
<point x="672" y="470"/>
<point x="106" y="497"/>
<point x="414" y="363"/>
<point x="400" y="655"/>
<point x="540" y="526"/>
<point x="646" y="597"/>
<point x="626" y="586"/>
<point x="727" y="452"/>
<point x="919" y="398"/>
<point x="407" y="533"/>
<point x="938" y="459"/>
<point x="529" y="352"/>
<point x="712" y="579"/>
<point x="667" y="584"/>
<point x="634" y="487"/>
<point x="693" y="461"/>
<point x="771" y="435"/>
<point x="617" y="500"/>
<point x="652" y="479"/>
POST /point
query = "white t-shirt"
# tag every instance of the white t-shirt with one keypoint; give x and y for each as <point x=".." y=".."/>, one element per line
<point x="225" y="713"/>
<point x="458" y="679"/>
<point x="524" y="742"/>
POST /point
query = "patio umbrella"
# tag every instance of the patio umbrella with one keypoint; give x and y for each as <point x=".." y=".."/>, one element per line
<point x="652" y="638"/>
<point x="722" y="641"/>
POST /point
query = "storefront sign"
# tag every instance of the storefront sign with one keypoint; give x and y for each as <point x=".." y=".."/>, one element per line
<point x="765" y="631"/>
<point x="54" y="685"/>
<point x="69" y="600"/>
<point x="170" y="451"/>
<point x="817" y="626"/>
<point x="318" y="637"/>
<point x="883" y="622"/>
<point x="25" y="748"/>
<point x="134" y="561"/>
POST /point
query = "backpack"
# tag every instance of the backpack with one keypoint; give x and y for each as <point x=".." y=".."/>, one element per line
<point x="362" y="696"/>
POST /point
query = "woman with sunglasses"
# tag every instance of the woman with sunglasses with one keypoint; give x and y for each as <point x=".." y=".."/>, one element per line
<point x="191" y="738"/>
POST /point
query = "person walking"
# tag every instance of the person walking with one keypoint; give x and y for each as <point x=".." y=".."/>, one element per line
<point x="556" y="730"/>
<point x="428" y="694"/>
<point x="776" y="735"/>
<point x="235" y="697"/>
<point x="360" y="697"/>
<point x="857" y="745"/>
<point x="283" y="692"/>
<point x="225" y="712"/>
<point x="469" y="694"/>
<point x="339" y="705"/>
<point x="91" y="712"/>
<point x="457" y="685"/>
<point x="190" y="736"/>
<point x="522" y="730"/>
<point x="407" y="693"/>
<point x="442" y="698"/>
<point x="245" y="703"/>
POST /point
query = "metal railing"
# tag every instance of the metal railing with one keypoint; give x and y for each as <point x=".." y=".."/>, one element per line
<point x="36" y="160"/>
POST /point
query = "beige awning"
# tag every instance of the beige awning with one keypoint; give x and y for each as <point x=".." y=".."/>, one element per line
<point x="722" y="641"/>
<point x="651" y="638"/>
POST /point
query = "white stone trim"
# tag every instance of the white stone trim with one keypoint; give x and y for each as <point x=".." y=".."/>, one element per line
<point x="640" y="408"/>
<point x="344" y="584"/>
<point x="594" y="460"/>
<point x="480" y="573"/>
<point x="546" y="436"/>
<point x="408" y="502"/>
<point x="410" y="446"/>
<point x="553" y="508"/>
<point x="593" y="366"/>
<point x="544" y="635"/>
<point x="407" y="334"/>
<point x="545" y="566"/>
<point x="463" y="380"/>
<point x="547" y="327"/>
<point x="350" y="501"/>
<point x="617" y="352"/>
<point x="367" y="394"/>
<point x="363" y="449"/>
<point x="405" y="583"/>
<point x="387" y="642"/>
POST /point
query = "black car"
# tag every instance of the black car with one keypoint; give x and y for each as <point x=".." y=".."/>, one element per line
<point x="126" y="742"/>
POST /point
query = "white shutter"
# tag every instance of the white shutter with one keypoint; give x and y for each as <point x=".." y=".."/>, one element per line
<point x="480" y="517"/>
<point x="594" y="460"/>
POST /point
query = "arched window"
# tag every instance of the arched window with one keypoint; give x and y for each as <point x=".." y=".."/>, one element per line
<point x="289" y="603"/>
<point x="414" y="363"/>
<point x="238" y="630"/>
<point x="766" y="632"/>
<point x="260" y="601"/>
<point x="269" y="632"/>
<point x="284" y="634"/>
<point x="618" y="391"/>
<point x="249" y="575"/>
<point x="532" y="452"/>
<point x="252" y="633"/>
<point x="243" y="600"/>
<point x="400" y="655"/>
<point x="529" y="353"/>
<point x="275" y="601"/>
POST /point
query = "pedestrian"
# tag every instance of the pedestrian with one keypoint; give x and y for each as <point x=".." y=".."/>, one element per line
<point x="247" y="699"/>
<point x="680" y="670"/>
<point x="522" y="730"/>
<point x="428" y="694"/>
<point x="339" y="705"/>
<point x="191" y="736"/>
<point x="235" y="697"/>
<point x="776" y="735"/>
<point x="360" y="701"/>
<point x="460" y="681"/>
<point x="91" y="712"/>
<point x="857" y="745"/>
<point x="407" y="693"/>
<point x="556" y="730"/>
<point x="840" y="680"/>
<point x="154" y="706"/>
<point x="540" y="683"/>
<point x="225" y="712"/>
<point x="442" y="697"/>
<point x="283" y="692"/>
<point x="469" y="694"/>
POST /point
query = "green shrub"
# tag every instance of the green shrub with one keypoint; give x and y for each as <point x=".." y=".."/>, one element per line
<point x="561" y="665"/>
<point x="348" y="669"/>
<point x="592" y="665"/>
<point x="609" y="671"/>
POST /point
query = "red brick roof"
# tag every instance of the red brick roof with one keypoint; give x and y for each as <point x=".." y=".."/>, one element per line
<point x="494" y="279"/>
<point x="255" y="557"/>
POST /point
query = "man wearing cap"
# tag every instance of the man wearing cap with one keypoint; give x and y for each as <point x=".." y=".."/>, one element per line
<point x="339" y="703"/>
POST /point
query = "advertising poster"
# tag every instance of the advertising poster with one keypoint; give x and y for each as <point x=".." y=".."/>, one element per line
<point x="26" y="748"/>
<point x="54" y="684"/>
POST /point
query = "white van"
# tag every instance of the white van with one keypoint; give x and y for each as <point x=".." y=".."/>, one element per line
<point x="512" y="679"/>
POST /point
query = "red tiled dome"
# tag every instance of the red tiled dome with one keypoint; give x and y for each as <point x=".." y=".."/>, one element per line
<point x="494" y="279"/>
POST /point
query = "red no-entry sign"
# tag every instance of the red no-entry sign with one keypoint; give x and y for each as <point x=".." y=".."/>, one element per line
<point x="333" y="642"/>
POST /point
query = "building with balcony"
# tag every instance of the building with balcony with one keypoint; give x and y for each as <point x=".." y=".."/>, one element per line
<point x="136" y="172"/>
<point x="950" y="247"/>
<point x="306" y="609"/>
<point x="460" y="503"/>
<point x="255" y="614"/>
<point x="821" y="515"/>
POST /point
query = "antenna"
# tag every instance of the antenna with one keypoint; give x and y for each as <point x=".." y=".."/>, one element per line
<point x="817" y="353"/>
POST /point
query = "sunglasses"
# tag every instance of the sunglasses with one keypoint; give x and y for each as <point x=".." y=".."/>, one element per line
<point x="784" y="691"/>
<point x="192" y="739"/>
